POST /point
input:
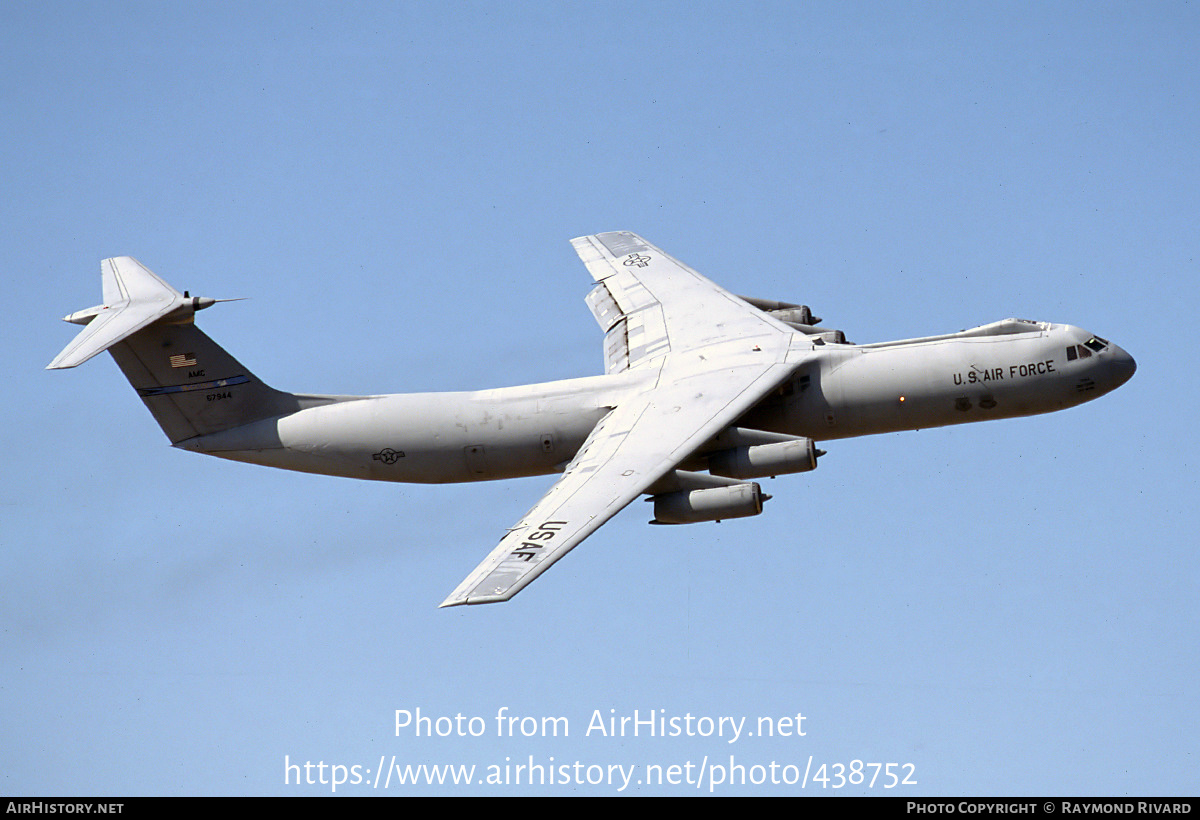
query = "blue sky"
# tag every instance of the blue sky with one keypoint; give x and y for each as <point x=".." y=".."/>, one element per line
<point x="1009" y="607"/>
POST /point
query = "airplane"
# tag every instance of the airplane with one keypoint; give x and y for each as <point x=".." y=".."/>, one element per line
<point x="703" y="392"/>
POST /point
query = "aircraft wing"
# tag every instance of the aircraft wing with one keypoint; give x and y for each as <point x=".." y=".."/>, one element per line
<point x="133" y="298"/>
<point x="716" y="357"/>
<point x="648" y="303"/>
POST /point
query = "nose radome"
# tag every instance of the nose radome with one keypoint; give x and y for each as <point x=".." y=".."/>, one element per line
<point x="1122" y="366"/>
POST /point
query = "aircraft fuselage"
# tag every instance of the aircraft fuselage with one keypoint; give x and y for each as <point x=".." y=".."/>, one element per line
<point x="842" y="391"/>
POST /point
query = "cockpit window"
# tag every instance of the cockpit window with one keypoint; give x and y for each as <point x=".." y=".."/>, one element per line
<point x="1096" y="343"/>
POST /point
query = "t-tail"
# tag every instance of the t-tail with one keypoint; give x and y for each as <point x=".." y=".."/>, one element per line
<point x="189" y="383"/>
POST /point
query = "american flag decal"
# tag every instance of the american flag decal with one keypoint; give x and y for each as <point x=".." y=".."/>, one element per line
<point x="183" y="360"/>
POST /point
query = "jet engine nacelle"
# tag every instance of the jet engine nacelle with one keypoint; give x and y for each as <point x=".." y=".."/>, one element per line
<point x="715" y="504"/>
<point x="798" y="314"/>
<point x="761" y="460"/>
<point x="836" y="337"/>
<point x="825" y="334"/>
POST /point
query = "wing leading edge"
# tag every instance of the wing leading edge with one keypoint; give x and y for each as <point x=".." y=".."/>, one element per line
<point x="716" y="357"/>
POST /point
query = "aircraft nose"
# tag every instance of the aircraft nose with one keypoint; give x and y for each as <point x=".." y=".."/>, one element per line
<point x="1121" y="366"/>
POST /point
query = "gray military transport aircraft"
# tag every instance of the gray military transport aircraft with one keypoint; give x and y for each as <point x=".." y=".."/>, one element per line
<point x="703" y="391"/>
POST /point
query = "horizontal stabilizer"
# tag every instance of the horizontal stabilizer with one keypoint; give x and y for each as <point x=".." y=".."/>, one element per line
<point x="133" y="298"/>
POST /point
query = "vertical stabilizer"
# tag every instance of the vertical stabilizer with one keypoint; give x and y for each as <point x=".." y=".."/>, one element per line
<point x="189" y="383"/>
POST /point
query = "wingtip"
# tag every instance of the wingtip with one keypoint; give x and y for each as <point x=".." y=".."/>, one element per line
<point x="474" y="600"/>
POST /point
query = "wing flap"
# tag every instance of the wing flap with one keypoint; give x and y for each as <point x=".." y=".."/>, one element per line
<point x="635" y="331"/>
